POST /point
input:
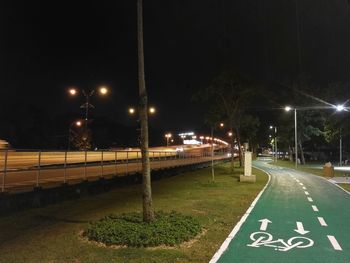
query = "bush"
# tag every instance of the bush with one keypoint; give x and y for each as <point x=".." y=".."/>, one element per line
<point x="129" y="230"/>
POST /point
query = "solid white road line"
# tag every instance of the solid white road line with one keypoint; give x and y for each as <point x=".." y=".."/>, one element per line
<point x="307" y="193"/>
<point x="334" y="243"/>
<point x="314" y="208"/>
<point x="310" y="199"/>
<point x="235" y="230"/>
<point x="322" y="222"/>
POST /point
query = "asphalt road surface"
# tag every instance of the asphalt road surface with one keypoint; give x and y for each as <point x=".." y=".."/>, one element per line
<point x="299" y="218"/>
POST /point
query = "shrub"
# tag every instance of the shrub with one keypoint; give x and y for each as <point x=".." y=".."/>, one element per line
<point x="168" y="229"/>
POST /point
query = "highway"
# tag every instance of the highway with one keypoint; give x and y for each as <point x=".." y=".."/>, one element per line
<point x="23" y="172"/>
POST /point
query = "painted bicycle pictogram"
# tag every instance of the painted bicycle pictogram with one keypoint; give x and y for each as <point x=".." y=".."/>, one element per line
<point x="265" y="239"/>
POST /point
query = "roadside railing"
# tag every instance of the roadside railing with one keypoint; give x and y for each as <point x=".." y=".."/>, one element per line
<point x="21" y="170"/>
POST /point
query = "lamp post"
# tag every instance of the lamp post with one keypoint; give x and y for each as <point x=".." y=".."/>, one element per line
<point x="288" y="108"/>
<point x="133" y="111"/>
<point x="275" y="141"/>
<point x="77" y="124"/>
<point x="168" y="136"/>
<point x="103" y="91"/>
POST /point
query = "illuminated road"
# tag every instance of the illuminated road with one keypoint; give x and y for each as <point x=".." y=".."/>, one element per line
<point x="299" y="218"/>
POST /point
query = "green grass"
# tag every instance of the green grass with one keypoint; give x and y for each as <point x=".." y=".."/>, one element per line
<point x="53" y="234"/>
<point x="345" y="186"/>
<point x="309" y="168"/>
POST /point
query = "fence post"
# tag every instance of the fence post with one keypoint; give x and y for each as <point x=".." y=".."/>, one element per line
<point x="101" y="163"/>
<point x="115" y="163"/>
<point x="85" y="153"/>
<point x="5" y="172"/>
<point x="39" y="169"/>
<point x="127" y="163"/>
<point x="65" y="167"/>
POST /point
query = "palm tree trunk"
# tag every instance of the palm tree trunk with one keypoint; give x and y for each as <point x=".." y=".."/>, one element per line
<point x="148" y="212"/>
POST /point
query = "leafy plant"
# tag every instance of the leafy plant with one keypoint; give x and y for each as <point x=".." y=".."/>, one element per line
<point x="130" y="230"/>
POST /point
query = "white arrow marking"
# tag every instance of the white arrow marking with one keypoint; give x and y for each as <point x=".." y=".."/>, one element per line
<point x="307" y="193"/>
<point x="334" y="243"/>
<point x="264" y="223"/>
<point x="322" y="222"/>
<point x="310" y="199"/>
<point x="300" y="229"/>
<point x="314" y="208"/>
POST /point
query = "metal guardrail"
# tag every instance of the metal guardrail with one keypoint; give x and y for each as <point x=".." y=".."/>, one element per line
<point x="25" y="169"/>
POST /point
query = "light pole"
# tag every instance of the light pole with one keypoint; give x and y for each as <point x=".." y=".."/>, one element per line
<point x="288" y="108"/>
<point x="168" y="136"/>
<point x="103" y="91"/>
<point x="132" y="111"/>
<point x="77" y="124"/>
<point x="275" y="131"/>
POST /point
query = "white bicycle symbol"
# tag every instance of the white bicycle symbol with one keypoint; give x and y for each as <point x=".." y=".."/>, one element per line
<point x="265" y="239"/>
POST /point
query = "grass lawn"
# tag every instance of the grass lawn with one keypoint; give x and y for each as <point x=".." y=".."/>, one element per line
<point x="51" y="234"/>
<point x="345" y="186"/>
<point x="309" y="168"/>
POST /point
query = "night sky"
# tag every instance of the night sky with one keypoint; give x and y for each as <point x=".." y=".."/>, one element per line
<point x="47" y="46"/>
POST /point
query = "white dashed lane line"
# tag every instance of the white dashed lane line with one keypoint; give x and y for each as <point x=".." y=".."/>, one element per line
<point x="334" y="243"/>
<point x="322" y="222"/>
<point x="314" y="208"/>
<point x="307" y="193"/>
<point x="310" y="199"/>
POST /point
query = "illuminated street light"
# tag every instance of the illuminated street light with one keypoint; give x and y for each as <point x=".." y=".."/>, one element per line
<point x="222" y="124"/>
<point x="230" y="134"/>
<point x="131" y="111"/>
<point x="152" y="110"/>
<point x="87" y="94"/>
<point x="103" y="90"/>
<point x="168" y="136"/>
<point x="75" y="123"/>
<point x="340" y="107"/>
<point x="287" y="108"/>
<point x="275" y="141"/>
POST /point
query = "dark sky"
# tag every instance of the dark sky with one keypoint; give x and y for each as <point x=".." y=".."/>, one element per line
<point x="48" y="45"/>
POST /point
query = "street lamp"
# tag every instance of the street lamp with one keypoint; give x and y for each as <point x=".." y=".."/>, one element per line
<point x="288" y="108"/>
<point x="275" y="131"/>
<point x="75" y="123"/>
<point x="340" y="108"/>
<point x="103" y="91"/>
<point x="133" y="111"/>
<point x="168" y="136"/>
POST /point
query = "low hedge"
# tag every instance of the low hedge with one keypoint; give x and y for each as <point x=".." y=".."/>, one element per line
<point x="167" y="229"/>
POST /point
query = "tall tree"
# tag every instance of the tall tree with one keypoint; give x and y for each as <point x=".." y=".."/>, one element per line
<point x="148" y="211"/>
<point x="228" y="98"/>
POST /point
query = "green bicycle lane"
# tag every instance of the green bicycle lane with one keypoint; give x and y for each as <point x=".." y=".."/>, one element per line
<point x="299" y="218"/>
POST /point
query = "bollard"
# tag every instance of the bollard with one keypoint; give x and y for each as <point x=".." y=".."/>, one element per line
<point x="5" y="172"/>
